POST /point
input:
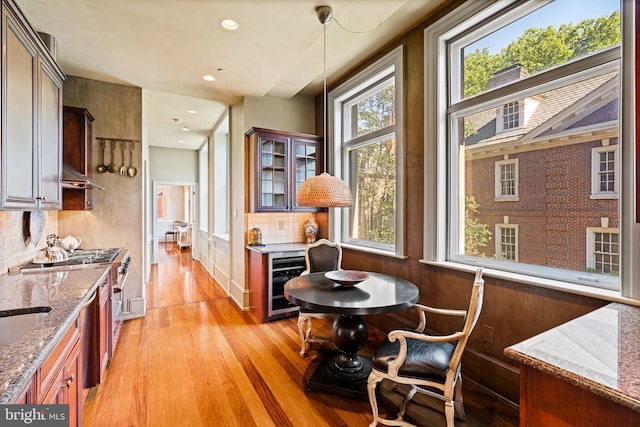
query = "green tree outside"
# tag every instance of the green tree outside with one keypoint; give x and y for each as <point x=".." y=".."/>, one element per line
<point x="376" y="170"/>
<point x="476" y="233"/>
<point x="538" y="49"/>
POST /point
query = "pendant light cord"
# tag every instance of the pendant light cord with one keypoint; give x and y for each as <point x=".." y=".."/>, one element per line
<point x="324" y="93"/>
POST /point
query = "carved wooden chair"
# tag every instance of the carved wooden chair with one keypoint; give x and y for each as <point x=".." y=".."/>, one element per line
<point x="322" y="255"/>
<point x="430" y="364"/>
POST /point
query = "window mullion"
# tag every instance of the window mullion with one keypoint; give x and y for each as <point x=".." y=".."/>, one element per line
<point x="599" y="63"/>
<point x="376" y="135"/>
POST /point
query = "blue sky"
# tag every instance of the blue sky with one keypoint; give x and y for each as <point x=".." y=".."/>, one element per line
<point x="556" y="13"/>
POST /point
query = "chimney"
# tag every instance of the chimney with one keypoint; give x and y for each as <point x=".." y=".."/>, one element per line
<point x="507" y="75"/>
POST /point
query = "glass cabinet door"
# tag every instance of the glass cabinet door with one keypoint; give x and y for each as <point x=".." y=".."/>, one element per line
<point x="306" y="162"/>
<point x="273" y="173"/>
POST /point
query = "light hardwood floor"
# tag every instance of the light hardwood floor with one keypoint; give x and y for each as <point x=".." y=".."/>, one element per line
<point x="196" y="359"/>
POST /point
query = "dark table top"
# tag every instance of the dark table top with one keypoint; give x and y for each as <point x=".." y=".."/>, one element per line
<point x="378" y="294"/>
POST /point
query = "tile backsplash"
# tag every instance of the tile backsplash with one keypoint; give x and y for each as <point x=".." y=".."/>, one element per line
<point x="13" y="250"/>
<point x="280" y="228"/>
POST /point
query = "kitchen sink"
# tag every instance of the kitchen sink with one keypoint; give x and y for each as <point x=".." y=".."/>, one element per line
<point x="14" y="324"/>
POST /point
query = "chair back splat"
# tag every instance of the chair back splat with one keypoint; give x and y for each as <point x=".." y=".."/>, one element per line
<point x="322" y="255"/>
<point x="431" y="365"/>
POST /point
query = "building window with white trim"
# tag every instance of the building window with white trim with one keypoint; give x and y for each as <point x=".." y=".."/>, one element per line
<point x="603" y="251"/>
<point x="506" y="179"/>
<point x="367" y="148"/>
<point x="604" y="171"/>
<point x="510" y="115"/>
<point x="507" y="242"/>
<point x="482" y="63"/>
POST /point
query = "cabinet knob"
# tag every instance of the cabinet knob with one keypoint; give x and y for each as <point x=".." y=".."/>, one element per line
<point x="43" y="198"/>
<point x="69" y="381"/>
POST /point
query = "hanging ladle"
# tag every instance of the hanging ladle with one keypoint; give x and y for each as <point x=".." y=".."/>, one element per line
<point x="113" y="168"/>
<point x="132" y="170"/>
<point x="102" y="167"/>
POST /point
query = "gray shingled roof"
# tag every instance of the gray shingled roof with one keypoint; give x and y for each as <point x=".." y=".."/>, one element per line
<point x="551" y="104"/>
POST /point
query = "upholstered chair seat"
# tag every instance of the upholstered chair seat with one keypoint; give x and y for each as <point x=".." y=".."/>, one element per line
<point x="430" y="364"/>
<point x="425" y="360"/>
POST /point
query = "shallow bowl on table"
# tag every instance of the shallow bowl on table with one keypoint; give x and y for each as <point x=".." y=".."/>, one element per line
<point x="347" y="277"/>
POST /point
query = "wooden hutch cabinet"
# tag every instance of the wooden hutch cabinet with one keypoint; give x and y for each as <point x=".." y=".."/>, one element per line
<point x="279" y="162"/>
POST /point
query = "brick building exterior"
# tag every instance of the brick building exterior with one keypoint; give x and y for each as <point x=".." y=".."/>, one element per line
<point x="547" y="187"/>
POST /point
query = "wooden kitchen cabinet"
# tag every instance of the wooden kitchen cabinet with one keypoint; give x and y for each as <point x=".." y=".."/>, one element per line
<point x="26" y="396"/>
<point x="278" y="163"/>
<point x="105" y="326"/>
<point x="96" y="335"/>
<point x="77" y="139"/>
<point x="61" y="374"/>
<point x="31" y="138"/>
<point x="258" y="282"/>
<point x="547" y="401"/>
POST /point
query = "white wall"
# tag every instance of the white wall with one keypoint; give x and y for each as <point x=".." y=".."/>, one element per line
<point x="217" y="257"/>
<point x="169" y="164"/>
<point x="173" y="203"/>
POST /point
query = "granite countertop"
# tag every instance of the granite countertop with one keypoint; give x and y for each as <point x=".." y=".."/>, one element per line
<point x="278" y="247"/>
<point x="63" y="291"/>
<point x="599" y="352"/>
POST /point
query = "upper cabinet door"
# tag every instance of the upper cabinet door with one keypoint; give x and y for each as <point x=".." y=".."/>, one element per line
<point x="306" y="160"/>
<point x="273" y="191"/>
<point x="50" y="135"/>
<point x="19" y="158"/>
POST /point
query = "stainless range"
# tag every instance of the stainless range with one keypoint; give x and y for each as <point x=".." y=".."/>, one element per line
<point x="119" y="274"/>
<point x="119" y="260"/>
<point x="77" y="259"/>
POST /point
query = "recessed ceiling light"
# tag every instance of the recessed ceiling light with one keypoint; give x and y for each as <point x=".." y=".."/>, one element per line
<point x="180" y="141"/>
<point x="185" y="129"/>
<point x="191" y="111"/>
<point x="229" y="24"/>
<point x="208" y="77"/>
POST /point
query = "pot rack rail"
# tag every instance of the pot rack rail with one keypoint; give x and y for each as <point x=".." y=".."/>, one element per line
<point x="100" y="138"/>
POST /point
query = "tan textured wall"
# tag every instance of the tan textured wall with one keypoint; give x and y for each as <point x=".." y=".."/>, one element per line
<point x="117" y="215"/>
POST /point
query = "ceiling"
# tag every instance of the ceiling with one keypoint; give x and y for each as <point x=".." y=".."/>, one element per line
<point x="165" y="46"/>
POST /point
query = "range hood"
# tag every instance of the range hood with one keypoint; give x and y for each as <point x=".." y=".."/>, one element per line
<point x="71" y="178"/>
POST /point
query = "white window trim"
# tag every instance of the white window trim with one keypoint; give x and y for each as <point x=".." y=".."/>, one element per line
<point x="498" y="240"/>
<point x="435" y="154"/>
<point x="595" y="173"/>
<point x="590" y="262"/>
<point x="500" y="117"/>
<point x="336" y="160"/>
<point x="498" y="181"/>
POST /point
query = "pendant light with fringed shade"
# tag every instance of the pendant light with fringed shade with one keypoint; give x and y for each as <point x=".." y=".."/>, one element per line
<point x="324" y="190"/>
